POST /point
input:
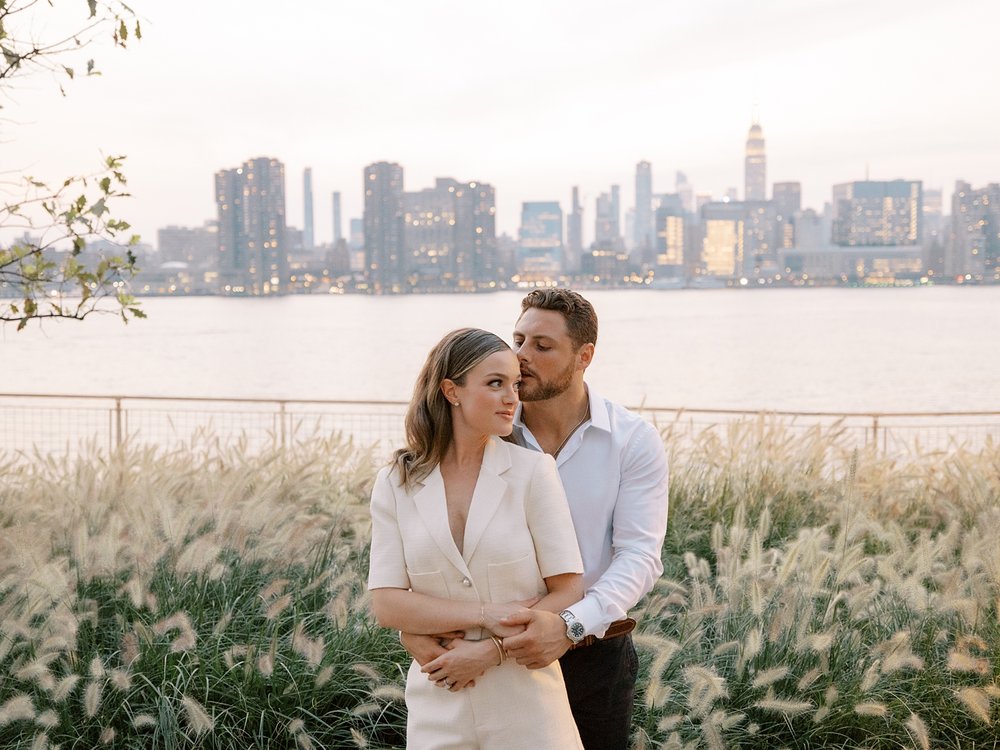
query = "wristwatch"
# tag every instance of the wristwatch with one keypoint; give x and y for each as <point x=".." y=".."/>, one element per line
<point x="575" y="630"/>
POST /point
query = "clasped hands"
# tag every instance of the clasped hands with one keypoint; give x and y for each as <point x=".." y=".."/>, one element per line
<point x="534" y="638"/>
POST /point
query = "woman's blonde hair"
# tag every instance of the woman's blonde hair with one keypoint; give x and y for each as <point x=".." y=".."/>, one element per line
<point x="428" y="418"/>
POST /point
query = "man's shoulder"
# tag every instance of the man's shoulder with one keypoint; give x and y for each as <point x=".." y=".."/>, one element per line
<point x="624" y="420"/>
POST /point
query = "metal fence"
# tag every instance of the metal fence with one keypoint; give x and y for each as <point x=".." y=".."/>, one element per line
<point x="61" y="423"/>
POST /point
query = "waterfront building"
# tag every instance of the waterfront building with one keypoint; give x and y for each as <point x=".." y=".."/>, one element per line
<point x="195" y="246"/>
<point x="975" y="245"/>
<point x="574" y="235"/>
<point x="607" y="217"/>
<point x="337" y="229"/>
<point x="722" y="235"/>
<point x="540" y="239"/>
<point x="308" y="233"/>
<point x="250" y="201"/>
<point x="787" y="197"/>
<point x="383" y="227"/>
<point x="685" y="190"/>
<point x="885" y="213"/>
<point x="755" y="165"/>
<point x="670" y="228"/>
<point x="643" y="226"/>
<point x="449" y="235"/>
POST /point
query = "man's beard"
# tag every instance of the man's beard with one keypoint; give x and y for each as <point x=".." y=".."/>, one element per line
<point x="539" y="390"/>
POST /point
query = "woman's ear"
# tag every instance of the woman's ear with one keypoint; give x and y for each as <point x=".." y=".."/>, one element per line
<point x="450" y="391"/>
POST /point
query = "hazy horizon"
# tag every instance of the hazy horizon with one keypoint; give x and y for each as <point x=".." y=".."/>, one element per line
<point x="531" y="98"/>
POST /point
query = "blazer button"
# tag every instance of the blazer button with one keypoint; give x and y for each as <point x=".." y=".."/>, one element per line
<point x="466" y="582"/>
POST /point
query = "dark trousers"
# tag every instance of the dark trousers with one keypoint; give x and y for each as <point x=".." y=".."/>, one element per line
<point x="600" y="681"/>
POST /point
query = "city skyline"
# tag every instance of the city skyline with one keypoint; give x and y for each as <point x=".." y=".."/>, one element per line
<point x="445" y="90"/>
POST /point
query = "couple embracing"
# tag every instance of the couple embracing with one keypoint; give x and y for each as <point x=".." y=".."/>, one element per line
<point x="511" y="536"/>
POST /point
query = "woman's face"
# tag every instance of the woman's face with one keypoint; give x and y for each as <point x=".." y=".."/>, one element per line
<point x="487" y="400"/>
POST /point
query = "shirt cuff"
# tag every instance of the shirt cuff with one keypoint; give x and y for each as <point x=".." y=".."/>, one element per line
<point x="588" y="611"/>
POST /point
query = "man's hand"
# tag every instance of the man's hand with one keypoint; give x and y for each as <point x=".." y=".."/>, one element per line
<point x="543" y="640"/>
<point x="426" y="648"/>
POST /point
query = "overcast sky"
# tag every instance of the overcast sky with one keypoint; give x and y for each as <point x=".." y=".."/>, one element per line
<point x="532" y="97"/>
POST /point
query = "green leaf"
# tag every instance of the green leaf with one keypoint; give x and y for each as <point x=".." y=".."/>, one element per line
<point x="93" y="7"/>
<point x="106" y="185"/>
<point x="138" y="31"/>
<point x="90" y="67"/>
<point x="69" y="71"/>
<point x="123" y="32"/>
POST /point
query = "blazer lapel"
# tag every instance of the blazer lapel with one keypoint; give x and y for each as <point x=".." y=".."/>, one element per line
<point x="432" y="506"/>
<point x="489" y="492"/>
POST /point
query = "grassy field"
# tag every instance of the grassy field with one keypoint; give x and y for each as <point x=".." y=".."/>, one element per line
<point x="212" y="597"/>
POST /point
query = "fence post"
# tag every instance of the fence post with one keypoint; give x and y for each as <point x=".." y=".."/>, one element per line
<point x="875" y="430"/>
<point x="281" y="420"/>
<point x="118" y="422"/>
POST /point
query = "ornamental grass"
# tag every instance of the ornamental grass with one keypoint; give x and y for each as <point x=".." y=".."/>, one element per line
<point x="213" y="596"/>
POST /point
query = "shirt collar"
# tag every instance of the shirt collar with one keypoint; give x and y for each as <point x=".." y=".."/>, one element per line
<point x="598" y="413"/>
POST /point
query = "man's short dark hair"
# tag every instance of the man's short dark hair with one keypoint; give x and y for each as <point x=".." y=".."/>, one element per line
<point x="581" y="320"/>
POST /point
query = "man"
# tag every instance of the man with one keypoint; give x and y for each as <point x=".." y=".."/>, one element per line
<point x="614" y="469"/>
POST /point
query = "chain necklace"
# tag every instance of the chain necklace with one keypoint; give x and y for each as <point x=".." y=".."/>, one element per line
<point x="572" y="432"/>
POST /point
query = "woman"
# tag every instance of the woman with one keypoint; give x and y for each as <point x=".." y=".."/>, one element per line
<point x="466" y="529"/>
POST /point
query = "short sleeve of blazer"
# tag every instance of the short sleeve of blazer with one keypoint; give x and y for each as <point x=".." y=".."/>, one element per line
<point x="549" y="521"/>
<point x="386" y="566"/>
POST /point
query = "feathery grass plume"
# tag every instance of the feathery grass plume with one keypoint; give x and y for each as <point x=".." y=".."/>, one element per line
<point x="787" y="708"/>
<point x="304" y="741"/>
<point x="820" y="714"/>
<point x="310" y="649"/>
<point x="231" y="654"/>
<point x="667" y="723"/>
<point x="129" y="648"/>
<point x="367" y="671"/>
<point x="265" y="664"/>
<point x="142" y="721"/>
<point x="806" y="680"/>
<point x="96" y="668"/>
<point x="278" y="606"/>
<point x="186" y="639"/>
<point x="19" y="707"/>
<point x="872" y="675"/>
<point x="92" y="698"/>
<point x="107" y="735"/>
<point x="770" y="676"/>
<point x="712" y="736"/>
<point x="359" y="739"/>
<point x="706" y="687"/>
<point x="871" y="708"/>
<point x="197" y="717"/>
<point x="64" y="687"/>
<point x="223" y="623"/>
<point x="41" y="742"/>
<point x="918" y="731"/>
<point x="274" y="589"/>
<point x="977" y="702"/>
<point x="47" y="719"/>
<point x="295" y="726"/>
<point x="363" y="709"/>
<point x="323" y="676"/>
<point x="963" y="662"/>
<point x="392" y="693"/>
<point x="120" y="680"/>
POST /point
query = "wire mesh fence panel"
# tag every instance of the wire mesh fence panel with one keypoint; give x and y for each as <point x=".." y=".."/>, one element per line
<point x="30" y="423"/>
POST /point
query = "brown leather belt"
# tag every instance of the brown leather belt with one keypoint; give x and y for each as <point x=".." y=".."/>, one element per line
<point x="615" y="630"/>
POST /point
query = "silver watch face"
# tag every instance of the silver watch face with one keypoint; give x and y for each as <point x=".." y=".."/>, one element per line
<point x="575" y="631"/>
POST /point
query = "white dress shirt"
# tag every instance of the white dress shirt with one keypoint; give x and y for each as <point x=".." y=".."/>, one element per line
<point x="614" y="471"/>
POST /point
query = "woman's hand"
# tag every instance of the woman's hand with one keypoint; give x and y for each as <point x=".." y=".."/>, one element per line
<point x="493" y="613"/>
<point x="461" y="664"/>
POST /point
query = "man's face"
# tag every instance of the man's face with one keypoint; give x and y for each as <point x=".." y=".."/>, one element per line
<point x="548" y="356"/>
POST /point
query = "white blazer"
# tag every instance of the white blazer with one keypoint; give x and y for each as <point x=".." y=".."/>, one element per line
<point x="518" y="532"/>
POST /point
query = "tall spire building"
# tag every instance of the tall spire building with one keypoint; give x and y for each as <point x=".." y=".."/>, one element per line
<point x="643" y="237"/>
<point x="755" y="166"/>
<point x="308" y="234"/>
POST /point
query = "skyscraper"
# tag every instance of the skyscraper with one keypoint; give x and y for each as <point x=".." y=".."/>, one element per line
<point x="722" y="239"/>
<point x="607" y="218"/>
<point x="383" y="225"/>
<point x="878" y="213"/>
<point x="755" y="165"/>
<point x="540" y="237"/>
<point x="643" y="237"/>
<point x="251" y="209"/>
<point x="308" y="236"/>
<point x="975" y="217"/>
<point x="337" y="229"/>
<point x="787" y="203"/>
<point x="574" y="235"/>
